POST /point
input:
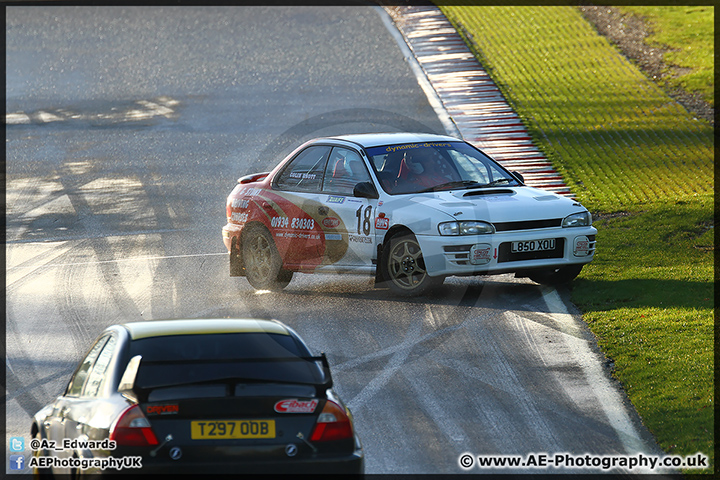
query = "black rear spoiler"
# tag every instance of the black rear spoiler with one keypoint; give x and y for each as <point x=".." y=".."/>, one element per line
<point x="135" y="393"/>
<point x="253" y="177"/>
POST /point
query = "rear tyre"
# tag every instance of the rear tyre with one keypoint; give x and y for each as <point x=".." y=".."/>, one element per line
<point x="556" y="276"/>
<point x="263" y="265"/>
<point x="403" y="267"/>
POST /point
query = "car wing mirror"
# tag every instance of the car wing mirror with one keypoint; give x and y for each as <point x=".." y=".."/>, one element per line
<point x="519" y="177"/>
<point x="127" y="382"/>
<point x="365" y="190"/>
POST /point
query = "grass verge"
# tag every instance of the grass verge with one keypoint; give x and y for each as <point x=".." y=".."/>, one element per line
<point x="645" y="168"/>
<point x="649" y="299"/>
<point x="688" y="32"/>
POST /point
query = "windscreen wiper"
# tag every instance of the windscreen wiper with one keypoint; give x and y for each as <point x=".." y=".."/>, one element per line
<point x="495" y="182"/>
<point x="453" y="184"/>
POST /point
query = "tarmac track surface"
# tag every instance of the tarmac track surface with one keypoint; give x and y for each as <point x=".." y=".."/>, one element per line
<point x="127" y="128"/>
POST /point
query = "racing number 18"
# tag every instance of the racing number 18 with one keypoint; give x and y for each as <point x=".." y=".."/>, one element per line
<point x="364" y="218"/>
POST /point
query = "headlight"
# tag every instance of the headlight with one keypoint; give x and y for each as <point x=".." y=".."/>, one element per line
<point x="582" y="219"/>
<point x="465" y="228"/>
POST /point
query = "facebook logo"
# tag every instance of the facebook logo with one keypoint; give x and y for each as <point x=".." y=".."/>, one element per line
<point x="17" y="462"/>
<point x="17" y="444"/>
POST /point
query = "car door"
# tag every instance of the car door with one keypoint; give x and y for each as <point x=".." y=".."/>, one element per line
<point x="348" y="216"/>
<point x="294" y="208"/>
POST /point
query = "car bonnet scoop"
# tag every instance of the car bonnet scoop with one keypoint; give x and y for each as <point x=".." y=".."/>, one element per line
<point x="475" y="193"/>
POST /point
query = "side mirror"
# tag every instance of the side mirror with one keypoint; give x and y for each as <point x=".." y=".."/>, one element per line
<point x="519" y="177"/>
<point x="365" y="190"/>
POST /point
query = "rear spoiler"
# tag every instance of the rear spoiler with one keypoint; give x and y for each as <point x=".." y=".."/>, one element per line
<point x="133" y="392"/>
<point x="253" y="177"/>
<point x="127" y="382"/>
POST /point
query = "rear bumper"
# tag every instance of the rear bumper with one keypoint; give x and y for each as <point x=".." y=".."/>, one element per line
<point x="228" y="232"/>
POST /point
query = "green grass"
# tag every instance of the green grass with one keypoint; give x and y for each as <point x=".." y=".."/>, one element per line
<point x="650" y="302"/>
<point x="688" y="32"/>
<point x="645" y="168"/>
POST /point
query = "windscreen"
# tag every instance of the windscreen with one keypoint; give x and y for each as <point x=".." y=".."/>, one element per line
<point x="234" y="357"/>
<point x="432" y="166"/>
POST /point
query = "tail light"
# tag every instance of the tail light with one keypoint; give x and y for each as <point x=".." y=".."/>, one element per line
<point x="333" y="423"/>
<point x="132" y="428"/>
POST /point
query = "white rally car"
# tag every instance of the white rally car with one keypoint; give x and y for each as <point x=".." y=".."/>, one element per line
<point x="409" y="209"/>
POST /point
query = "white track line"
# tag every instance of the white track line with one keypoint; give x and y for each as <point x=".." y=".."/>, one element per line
<point x="133" y="259"/>
<point x="608" y="397"/>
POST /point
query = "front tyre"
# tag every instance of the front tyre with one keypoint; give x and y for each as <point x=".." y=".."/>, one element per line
<point x="403" y="267"/>
<point x="556" y="276"/>
<point x="263" y="265"/>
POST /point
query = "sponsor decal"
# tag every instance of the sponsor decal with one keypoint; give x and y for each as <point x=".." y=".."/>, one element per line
<point x="359" y="239"/>
<point x="480" y="254"/>
<point x="335" y="199"/>
<point x="302" y="223"/>
<point x="382" y="223"/>
<point x="294" y="223"/>
<point x="279" y="222"/>
<point x="395" y="148"/>
<point x="167" y="409"/>
<point x="250" y="191"/>
<point x="331" y="222"/>
<point x="238" y="217"/>
<point x="582" y="246"/>
<point x="240" y="203"/>
<point x="302" y="236"/>
<point x="333" y="236"/>
<point x="294" y="405"/>
<point x="303" y="175"/>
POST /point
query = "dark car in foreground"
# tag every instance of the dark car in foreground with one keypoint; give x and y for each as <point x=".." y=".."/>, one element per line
<point x="197" y="397"/>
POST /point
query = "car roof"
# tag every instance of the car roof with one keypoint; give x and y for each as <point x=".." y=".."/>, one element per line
<point x="160" y="328"/>
<point x="367" y="140"/>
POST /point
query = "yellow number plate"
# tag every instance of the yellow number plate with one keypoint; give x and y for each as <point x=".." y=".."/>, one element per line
<point x="223" y="429"/>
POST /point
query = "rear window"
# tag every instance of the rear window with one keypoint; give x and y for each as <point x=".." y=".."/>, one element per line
<point x="223" y="358"/>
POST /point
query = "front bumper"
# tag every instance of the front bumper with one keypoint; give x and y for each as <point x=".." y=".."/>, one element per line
<point x="492" y="254"/>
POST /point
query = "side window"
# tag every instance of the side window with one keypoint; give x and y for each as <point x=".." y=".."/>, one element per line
<point x="496" y="173"/>
<point x="97" y="375"/>
<point x="305" y="171"/>
<point x="78" y="380"/>
<point x="344" y="170"/>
